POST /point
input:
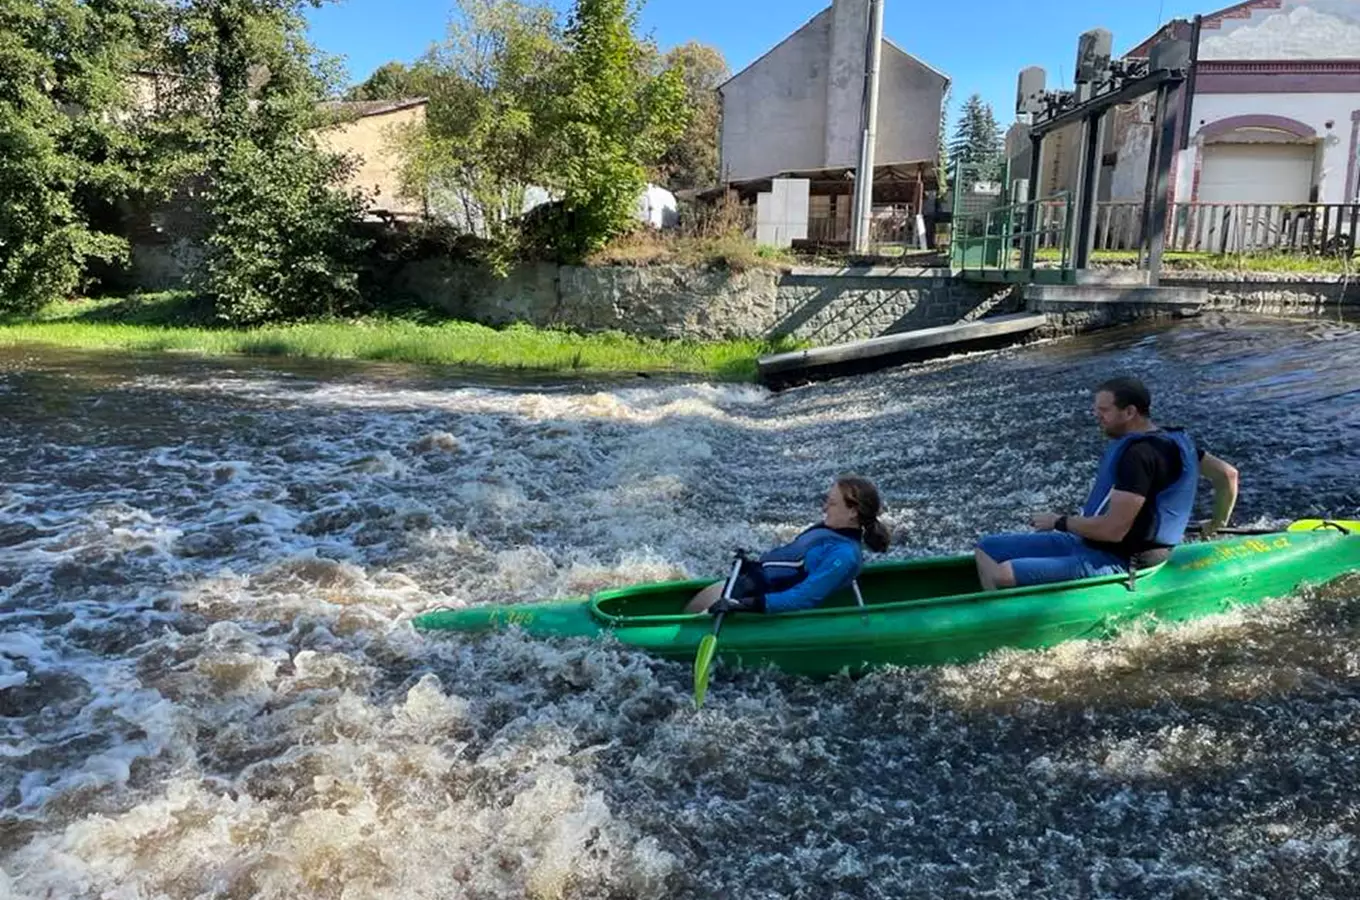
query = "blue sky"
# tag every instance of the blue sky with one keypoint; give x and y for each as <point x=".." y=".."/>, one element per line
<point x="981" y="44"/>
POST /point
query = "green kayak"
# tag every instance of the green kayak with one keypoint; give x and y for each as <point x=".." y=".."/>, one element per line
<point x="932" y="611"/>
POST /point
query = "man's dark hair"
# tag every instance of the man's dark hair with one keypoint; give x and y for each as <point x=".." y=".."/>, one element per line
<point x="1129" y="392"/>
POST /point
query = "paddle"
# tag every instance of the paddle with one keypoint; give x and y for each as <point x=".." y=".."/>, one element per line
<point x="703" y="660"/>
<point x="1342" y="525"/>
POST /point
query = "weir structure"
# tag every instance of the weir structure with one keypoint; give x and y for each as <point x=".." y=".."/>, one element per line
<point x="997" y="224"/>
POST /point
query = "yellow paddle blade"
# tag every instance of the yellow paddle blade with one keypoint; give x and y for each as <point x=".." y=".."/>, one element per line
<point x="703" y="665"/>
<point x="1325" y="525"/>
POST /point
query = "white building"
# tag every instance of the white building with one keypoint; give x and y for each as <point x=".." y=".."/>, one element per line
<point x="1274" y="115"/>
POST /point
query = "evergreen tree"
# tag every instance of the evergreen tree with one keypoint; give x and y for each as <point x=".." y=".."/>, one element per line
<point x="977" y="140"/>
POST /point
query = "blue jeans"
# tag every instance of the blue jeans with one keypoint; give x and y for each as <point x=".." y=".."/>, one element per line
<point x="1043" y="557"/>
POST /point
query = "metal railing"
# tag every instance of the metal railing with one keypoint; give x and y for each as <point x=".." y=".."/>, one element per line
<point x="995" y="240"/>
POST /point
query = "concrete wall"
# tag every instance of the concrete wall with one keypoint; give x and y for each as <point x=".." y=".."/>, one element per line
<point x="1283" y="296"/>
<point x="372" y="139"/>
<point x="910" y="97"/>
<point x="845" y="82"/>
<point x="1130" y="137"/>
<point x="820" y="305"/>
<point x="831" y="306"/>
<point x="1061" y="156"/>
<point x="824" y="306"/>
<point x="774" y="114"/>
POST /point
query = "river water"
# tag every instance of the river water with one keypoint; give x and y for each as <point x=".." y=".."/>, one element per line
<point x="209" y="687"/>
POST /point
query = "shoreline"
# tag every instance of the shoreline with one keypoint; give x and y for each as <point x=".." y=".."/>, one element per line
<point x="161" y="324"/>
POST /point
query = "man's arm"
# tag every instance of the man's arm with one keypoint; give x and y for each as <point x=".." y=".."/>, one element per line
<point x="1110" y="527"/>
<point x="1223" y="477"/>
<point x="1134" y="480"/>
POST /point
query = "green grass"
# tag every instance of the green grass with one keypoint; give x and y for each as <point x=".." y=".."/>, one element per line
<point x="173" y="322"/>
<point x="729" y="251"/>
<point x="1214" y="262"/>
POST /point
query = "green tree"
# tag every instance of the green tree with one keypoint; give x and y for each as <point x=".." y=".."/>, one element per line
<point x="65" y="76"/>
<point x="612" y="120"/>
<point x="392" y="81"/>
<point x="977" y="139"/>
<point x="486" y="140"/>
<point x="283" y="239"/>
<point x="692" y="160"/>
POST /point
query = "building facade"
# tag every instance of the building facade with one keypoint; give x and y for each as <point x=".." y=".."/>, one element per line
<point x="371" y="132"/>
<point x="798" y="110"/>
<point x="1274" y="116"/>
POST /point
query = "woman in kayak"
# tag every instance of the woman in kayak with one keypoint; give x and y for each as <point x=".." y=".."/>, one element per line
<point x="819" y="562"/>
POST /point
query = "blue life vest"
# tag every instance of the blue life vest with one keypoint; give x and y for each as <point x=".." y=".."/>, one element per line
<point x="783" y="567"/>
<point x="1172" y="506"/>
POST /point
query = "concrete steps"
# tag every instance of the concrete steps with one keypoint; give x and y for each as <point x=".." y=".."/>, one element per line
<point x="800" y="366"/>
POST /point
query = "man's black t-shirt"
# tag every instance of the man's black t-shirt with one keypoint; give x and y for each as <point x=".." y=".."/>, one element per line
<point x="1146" y="468"/>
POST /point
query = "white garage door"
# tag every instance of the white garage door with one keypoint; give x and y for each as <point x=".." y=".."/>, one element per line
<point x="1256" y="173"/>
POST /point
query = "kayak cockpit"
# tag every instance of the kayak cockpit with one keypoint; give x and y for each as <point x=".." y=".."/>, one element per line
<point x="896" y="583"/>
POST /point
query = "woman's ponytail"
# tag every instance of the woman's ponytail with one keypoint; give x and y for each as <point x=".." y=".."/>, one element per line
<point x="876" y="536"/>
<point x="861" y="496"/>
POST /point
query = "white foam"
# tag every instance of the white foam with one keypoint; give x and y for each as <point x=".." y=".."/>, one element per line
<point x="217" y="691"/>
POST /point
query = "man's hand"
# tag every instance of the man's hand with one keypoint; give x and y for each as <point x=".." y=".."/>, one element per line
<point x="1044" y="521"/>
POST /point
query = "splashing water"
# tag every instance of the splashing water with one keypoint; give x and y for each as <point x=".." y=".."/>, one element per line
<point x="209" y="687"/>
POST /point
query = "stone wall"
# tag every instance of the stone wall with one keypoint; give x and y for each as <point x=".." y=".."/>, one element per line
<point x="830" y="306"/>
<point x="1265" y="294"/>
<point x="824" y="306"/>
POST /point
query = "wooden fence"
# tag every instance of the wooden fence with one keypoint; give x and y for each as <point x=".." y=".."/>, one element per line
<point x="1303" y="228"/>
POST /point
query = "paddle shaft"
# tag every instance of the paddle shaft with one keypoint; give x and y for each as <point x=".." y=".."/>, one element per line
<point x="1340" y="525"/>
<point x="727" y="594"/>
<point x="708" y="647"/>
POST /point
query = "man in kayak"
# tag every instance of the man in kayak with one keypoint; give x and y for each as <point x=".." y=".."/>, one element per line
<point x="1138" y="508"/>
<point x="813" y="566"/>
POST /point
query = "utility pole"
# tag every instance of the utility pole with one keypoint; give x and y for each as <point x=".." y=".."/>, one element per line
<point x="864" y="177"/>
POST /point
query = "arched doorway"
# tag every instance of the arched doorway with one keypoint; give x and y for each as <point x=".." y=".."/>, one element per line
<point x="1257" y="159"/>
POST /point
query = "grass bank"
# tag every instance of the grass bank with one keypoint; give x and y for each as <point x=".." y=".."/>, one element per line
<point x="172" y="322"/>
<point x="729" y="251"/>
<point x="1274" y="263"/>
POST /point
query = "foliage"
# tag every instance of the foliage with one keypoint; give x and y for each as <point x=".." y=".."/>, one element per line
<point x="1195" y="261"/>
<point x="611" y="117"/>
<point x="486" y="141"/>
<point x="282" y="238"/>
<point x="393" y="81"/>
<point x="733" y="251"/>
<point x="527" y="113"/>
<point x="64" y="78"/>
<point x="692" y="160"/>
<point x="977" y="140"/>
<point x="284" y="243"/>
